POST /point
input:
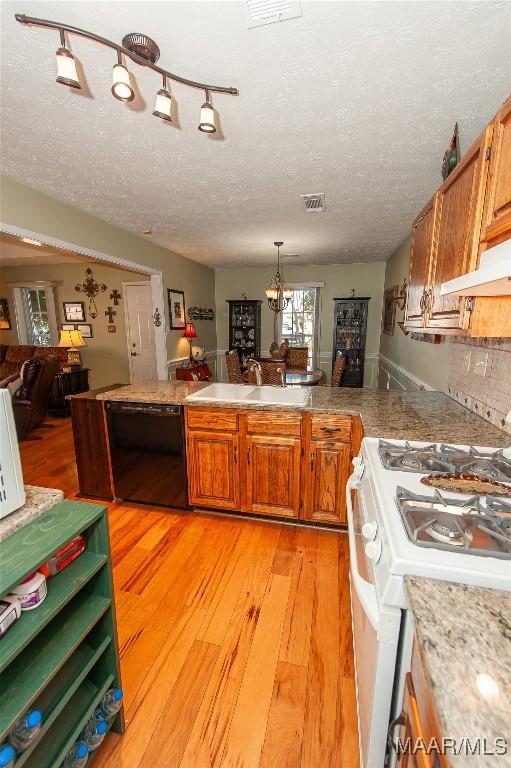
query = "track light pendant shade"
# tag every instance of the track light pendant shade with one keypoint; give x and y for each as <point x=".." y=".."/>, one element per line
<point x="207" y="117"/>
<point x="66" y="68"/>
<point x="163" y="106"/>
<point x="121" y="84"/>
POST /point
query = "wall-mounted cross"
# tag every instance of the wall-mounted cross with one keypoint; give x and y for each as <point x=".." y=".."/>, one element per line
<point x="115" y="296"/>
<point x="110" y="313"/>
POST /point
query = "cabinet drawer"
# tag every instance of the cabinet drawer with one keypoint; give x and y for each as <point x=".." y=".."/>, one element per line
<point x="331" y="427"/>
<point x="219" y="419"/>
<point x="288" y="424"/>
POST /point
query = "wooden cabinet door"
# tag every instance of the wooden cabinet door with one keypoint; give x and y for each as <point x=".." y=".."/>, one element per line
<point x="272" y="471"/>
<point x="458" y="221"/>
<point x="328" y="471"/>
<point x="213" y="477"/>
<point x="414" y="732"/>
<point x="420" y="257"/>
<point x="497" y="212"/>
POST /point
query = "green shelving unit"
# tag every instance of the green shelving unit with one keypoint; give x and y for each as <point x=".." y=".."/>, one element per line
<point x="63" y="656"/>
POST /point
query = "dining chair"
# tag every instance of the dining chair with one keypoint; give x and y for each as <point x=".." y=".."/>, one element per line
<point x="297" y="358"/>
<point x="271" y="372"/>
<point x="338" y="371"/>
<point x="232" y="362"/>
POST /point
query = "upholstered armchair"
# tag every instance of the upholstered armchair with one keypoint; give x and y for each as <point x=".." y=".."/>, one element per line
<point x="30" y="399"/>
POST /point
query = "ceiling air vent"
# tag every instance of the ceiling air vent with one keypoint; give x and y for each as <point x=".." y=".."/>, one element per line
<point x="261" y="12"/>
<point x="314" y="203"/>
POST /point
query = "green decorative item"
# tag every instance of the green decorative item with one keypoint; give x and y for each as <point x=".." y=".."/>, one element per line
<point x="62" y="657"/>
<point x="452" y="154"/>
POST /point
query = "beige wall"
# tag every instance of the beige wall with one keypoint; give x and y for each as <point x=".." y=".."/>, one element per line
<point x="427" y="362"/>
<point x="366" y="279"/>
<point x="106" y="353"/>
<point x="24" y="207"/>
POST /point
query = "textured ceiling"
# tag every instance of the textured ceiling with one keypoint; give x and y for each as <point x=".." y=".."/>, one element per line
<point x="357" y="100"/>
<point x="16" y="253"/>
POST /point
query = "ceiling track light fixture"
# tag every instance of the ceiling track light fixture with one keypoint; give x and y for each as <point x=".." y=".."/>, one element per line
<point x="142" y="51"/>
<point x="278" y="293"/>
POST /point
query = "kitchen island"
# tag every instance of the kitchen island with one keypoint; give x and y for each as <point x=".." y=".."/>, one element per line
<point x="290" y="461"/>
<point x="390" y="415"/>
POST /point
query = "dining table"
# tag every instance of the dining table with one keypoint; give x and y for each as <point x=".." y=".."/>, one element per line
<point x="305" y="377"/>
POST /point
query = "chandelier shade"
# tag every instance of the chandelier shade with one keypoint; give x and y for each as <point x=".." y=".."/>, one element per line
<point x="278" y="292"/>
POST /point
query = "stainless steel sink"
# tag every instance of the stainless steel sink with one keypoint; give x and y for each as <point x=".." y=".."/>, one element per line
<point x="244" y="393"/>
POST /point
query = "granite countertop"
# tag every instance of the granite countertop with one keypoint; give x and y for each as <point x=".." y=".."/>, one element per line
<point x="38" y="500"/>
<point x="464" y="636"/>
<point x="429" y="416"/>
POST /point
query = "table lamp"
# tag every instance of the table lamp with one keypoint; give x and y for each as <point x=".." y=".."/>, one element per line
<point x="73" y="340"/>
<point x="190" y="334"/>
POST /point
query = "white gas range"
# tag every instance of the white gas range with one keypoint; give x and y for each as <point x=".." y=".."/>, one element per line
<point x="400" y="526"/>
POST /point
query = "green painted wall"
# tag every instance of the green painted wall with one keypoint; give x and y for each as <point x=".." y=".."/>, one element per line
<point x="28" y="208"/>
<point x="366" y="279"/>
<point x="106" y="353"/>
<point x="429" y="362"/>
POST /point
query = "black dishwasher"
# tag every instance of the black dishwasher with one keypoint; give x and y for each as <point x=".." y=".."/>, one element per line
<point x="147" y="449"/>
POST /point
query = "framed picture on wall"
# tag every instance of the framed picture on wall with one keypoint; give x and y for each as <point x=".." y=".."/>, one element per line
<point x="5" y="318"/>
<point x="388" y="323"/>
<point x="74" y="311"/>
<point x="67" y="327"/>
<point x="177" y="313"/>
<point x="85" y="329"/>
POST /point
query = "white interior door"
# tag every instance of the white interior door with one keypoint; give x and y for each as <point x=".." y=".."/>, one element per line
<point x="138" y="307"/>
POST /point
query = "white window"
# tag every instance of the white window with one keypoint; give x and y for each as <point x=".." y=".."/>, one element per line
<point x="35" y="313"/>
<point x="299" y="321"/>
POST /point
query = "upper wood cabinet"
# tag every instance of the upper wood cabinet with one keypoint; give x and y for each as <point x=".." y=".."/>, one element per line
<point x="212" y="460"/>
<point x="459" y="206"/>
<point x="272" y="471"/>
<point x="420" y="259"/>
<point x="497" y="211"/>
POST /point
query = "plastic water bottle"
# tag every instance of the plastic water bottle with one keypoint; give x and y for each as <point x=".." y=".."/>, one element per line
<point x="6" y="756"/>
<point x="77" y="756"/>
<point x="94" y="732"/>
<point x="25" y="730"/>
<point x="109" y="705"/>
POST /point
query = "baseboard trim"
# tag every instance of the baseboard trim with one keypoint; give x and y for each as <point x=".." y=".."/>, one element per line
<point x="386" y="363"/>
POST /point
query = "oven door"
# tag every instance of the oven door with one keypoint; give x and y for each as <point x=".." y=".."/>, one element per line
<point x="375" y="638"/>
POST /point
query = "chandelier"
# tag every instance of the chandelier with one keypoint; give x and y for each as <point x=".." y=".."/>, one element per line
<point x="278" y="293"/>
<point x="139" y="49"/>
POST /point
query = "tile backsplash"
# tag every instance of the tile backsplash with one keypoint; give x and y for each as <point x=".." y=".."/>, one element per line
<point x="480" y="377"/>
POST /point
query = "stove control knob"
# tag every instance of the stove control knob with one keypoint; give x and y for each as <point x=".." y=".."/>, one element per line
<point x="373" y="550"/>
<point x="369" y="531"/>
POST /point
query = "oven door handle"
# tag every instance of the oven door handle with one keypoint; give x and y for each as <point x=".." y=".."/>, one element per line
<point x="365" y="591"/>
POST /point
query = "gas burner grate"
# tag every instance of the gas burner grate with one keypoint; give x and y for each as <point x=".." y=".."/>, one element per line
<point x="492" y="465"/>
<point x="446" y="523"/>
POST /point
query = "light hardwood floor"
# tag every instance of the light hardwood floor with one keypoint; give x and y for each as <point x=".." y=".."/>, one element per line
<point x="235" y="635"/>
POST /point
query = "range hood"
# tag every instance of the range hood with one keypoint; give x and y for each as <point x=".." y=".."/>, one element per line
<point x="493" y="278"/>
